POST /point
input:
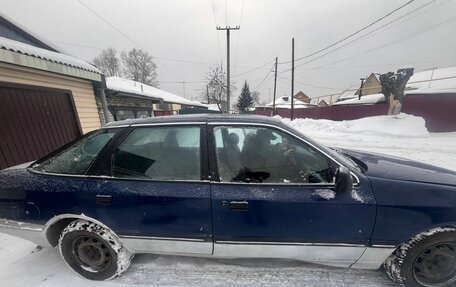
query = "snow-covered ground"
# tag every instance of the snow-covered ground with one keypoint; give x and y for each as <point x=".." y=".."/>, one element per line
<point x="22" y="264"/>
<point x="403" y="135"/>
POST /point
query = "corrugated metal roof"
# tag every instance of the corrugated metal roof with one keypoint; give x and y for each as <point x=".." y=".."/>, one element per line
<point x="54" y="57"/>
<point x="133" y="87"/>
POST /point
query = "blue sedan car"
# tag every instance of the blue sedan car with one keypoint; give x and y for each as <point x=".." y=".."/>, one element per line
<point x="232" y="187"/>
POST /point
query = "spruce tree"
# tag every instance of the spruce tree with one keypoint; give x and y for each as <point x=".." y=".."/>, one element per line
<point x="245" y="100"/>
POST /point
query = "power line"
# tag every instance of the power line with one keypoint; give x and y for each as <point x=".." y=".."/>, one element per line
<point x="310" y="85"/>
<point x="365" y="35"/>
<point x="124" y="35"/>
<point x="109" y="23"/>
<point x="264" y="79"/>
<point x="352" y="34"/>
<point x="218" y="38"/>
<point x="379" y="47"/>
<point x="427" y="29"/>
<point x="253" y="70"/>
<point x="239" y="34"/>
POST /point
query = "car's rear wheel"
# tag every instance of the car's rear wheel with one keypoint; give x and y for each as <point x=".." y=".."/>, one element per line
<point x="428" y="259"/>
<point x="92" y="251"/>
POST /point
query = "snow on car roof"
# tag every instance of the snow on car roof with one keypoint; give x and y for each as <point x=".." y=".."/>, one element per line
<point x="137" y="88"/>
<point x="29" y="50"/>
<point x="432" y="81"/>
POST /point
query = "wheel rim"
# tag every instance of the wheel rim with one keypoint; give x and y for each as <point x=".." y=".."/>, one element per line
<point x="91" y="253"/>
<point x="436" y="266"/>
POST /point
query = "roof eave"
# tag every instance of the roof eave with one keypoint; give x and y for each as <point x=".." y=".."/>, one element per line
<point x="24" y="60"/>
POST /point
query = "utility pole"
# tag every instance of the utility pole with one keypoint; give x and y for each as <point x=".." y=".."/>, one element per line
<point x="183" y="86"/>
<point x="275" y="88"/>
<point x="292" y="78"/>
<point x="207" y="94"/>
<point x="228" y="87"/>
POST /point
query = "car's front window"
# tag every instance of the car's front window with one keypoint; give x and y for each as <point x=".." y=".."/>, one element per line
<point x="77" y="158"/>
<point x="161" y="153"/>
<point x="264" y="155"/>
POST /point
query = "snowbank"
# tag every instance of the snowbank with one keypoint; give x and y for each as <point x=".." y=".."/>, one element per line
<point x="403" y="125"/>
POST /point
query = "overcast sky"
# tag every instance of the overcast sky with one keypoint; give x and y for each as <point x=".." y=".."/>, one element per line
<point x="181" y="35"/>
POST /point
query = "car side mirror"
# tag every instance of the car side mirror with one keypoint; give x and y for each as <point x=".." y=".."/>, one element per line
<point x="344" y="180"/>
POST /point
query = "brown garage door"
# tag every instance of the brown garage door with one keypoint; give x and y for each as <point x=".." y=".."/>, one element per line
<point x="33" y="123"/>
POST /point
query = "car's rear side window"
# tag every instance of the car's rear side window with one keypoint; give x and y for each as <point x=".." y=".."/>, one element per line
<point x="77" y="158"/>
<point x="160" y="153"/>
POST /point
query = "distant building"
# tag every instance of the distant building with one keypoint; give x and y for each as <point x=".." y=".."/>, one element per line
<point x="302" y="97"/>
<point x="128" y="99"/>
<point x="323" y="103"/>
<point x="371" y="86"/>
<point x="285" y="103"/>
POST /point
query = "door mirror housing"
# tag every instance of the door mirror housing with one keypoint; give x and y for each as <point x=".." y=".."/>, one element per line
<point x="344" y="180"/>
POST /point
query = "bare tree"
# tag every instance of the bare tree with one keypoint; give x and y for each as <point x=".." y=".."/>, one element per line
<point x="217" y="87"/>
<point x="108" y="62"/>
<point x="393" y="86"/>
<point x="140" y="66"/>
<point x="255" y="98"/>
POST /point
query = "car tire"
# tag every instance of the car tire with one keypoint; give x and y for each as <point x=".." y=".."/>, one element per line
<point x="92" y="251"/>
<point x="428" y="259"/>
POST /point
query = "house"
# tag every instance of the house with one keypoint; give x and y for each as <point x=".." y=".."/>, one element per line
<point x="285" y="103"/>
<point x="323" y="103"/>
<point x="371" y="86"/>
<point x="432" y="82"/>
<point x="125" y="102"/>
<point x="128" y="99"/>
<point x="47" y="98"/>
<point x="302" y="97"/>
<point x="370" y="93"/>
<point x="364" y="100"/>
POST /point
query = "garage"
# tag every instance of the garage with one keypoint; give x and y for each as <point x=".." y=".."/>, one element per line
<point x="34" y="122"/>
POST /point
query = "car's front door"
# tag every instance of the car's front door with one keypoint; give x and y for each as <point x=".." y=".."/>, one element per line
<point x="156" y="197"/>
<point x="273" y="196"/>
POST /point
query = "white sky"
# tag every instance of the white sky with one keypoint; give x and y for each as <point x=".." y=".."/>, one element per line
<point x="174" y="30"/>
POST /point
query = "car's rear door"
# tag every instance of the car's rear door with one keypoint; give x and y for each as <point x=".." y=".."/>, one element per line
<point x="273" y="196"/>
<point x="156" y="195"/>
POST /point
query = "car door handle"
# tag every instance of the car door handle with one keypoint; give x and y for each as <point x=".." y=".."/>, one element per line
<point x="103" y="198"/>
<point x="239" y="205"/>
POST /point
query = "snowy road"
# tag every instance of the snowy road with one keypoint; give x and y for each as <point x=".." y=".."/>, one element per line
<point x="21" y="264"/>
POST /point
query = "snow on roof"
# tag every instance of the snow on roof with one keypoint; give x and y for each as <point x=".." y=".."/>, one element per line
<point x="32" y="34"/>
<point x="133" y="87"/>
<point x="213" y="107"/>
<point x="59" y="58"/>
<point x="350" y="94"/>
<point x="365" y="100"/>
<point x="432" y="81"/>
<point x="285" y="103"/>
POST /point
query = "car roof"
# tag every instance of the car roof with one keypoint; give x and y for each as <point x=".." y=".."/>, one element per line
<point x="195" y="118"/>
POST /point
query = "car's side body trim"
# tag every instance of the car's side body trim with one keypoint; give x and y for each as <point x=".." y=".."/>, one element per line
<point x="28" y="231"/>
<point x="331" y="254"/>
<point x="164" y="245"/>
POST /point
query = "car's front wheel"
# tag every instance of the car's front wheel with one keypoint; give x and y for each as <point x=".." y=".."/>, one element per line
<point x="428" y="259"/>
<point x="92" y="251"/>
